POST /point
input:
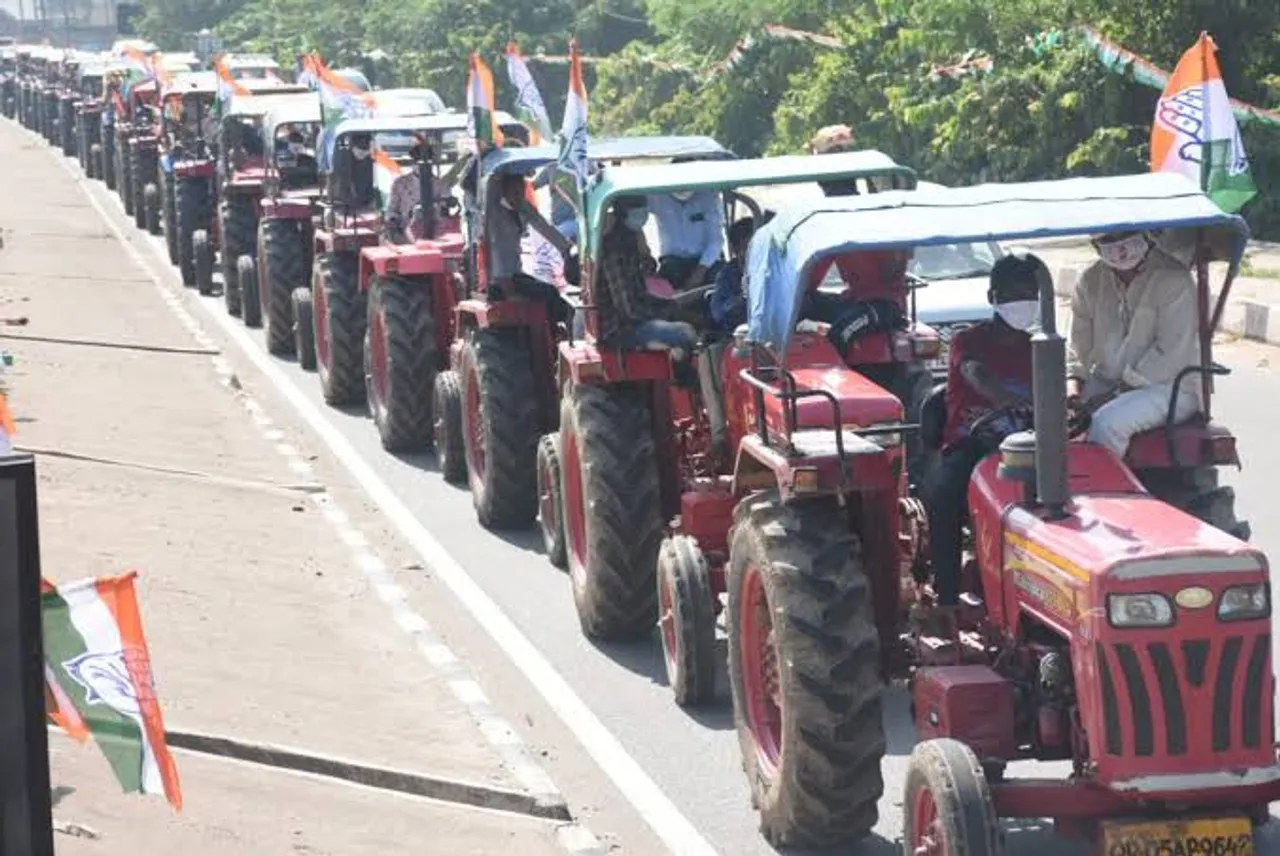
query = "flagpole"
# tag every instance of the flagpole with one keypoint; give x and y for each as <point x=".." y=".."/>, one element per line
<point x="1206" y="149"/>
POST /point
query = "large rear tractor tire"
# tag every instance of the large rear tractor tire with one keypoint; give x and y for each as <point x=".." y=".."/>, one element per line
<point x="169" y="202"/>
<point x="550" y="504"/>
<point x="151" y="205"/>
<point x="304" y="337"/>
<point x="251" y="303"/>
<point x="107" y="153"/>
<point x="98" y="164"/>
<point x="202" y="261"/>
<point x="612" y="509"/>
<point x="142" y="168"/>
<point x="687" y="620"/>
<point x="947" y="807"/>
<point x="500" y="419"/>
<point x="400" y="362"/>
<point x="124" y="180"/>
<point x="446" y="427"/>
<point x="804" y="667"/>
<point x="195" y="213"/>
<point x="282" y="269"/>
<point x="1199" y="493"/>
<point x="239" y="223"/>
<point x="341" y="321"/>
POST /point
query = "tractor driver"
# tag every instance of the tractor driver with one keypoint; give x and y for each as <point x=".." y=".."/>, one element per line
<point x="1133" y="328"/>
<point x="989" y="370"/>
<point x="404" y="210"/>
<point x="508" y="215"/>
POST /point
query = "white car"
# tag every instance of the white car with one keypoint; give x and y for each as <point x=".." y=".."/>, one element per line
<point x="956" y="298"/>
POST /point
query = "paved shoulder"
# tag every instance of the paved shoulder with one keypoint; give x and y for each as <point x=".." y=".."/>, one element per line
<point x="268" y="632"/>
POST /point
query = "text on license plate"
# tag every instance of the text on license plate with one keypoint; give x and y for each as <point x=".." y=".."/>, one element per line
<point x="1225" y="836"/>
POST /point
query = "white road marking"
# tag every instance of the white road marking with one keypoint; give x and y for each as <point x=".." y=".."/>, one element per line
<point x="658" y="811"/>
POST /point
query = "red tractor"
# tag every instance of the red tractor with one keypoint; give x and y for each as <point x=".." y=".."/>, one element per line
<point x="242" y="169"/>
<point x="1100" y="624"/>
<point x="411" y="280"/>
<point x="646" y="503"/>
<point x="290" y="191"/>
<point x="499" y="397"/>
<point x="412" y="284"/>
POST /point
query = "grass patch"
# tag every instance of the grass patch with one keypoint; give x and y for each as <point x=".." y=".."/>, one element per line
<point x="1249" y="269"/>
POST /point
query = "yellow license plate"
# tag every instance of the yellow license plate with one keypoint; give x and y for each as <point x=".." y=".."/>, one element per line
<point x="1223" y="836"/>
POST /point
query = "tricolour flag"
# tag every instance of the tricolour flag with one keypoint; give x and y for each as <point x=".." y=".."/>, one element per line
<point x="481" y="126"/>
<point x="228" y="86"/>
<point x="98" y="661"/>
<point x="1195" y="131"/>
<point x="573" y="164"/>
<point x="530" y="107"/>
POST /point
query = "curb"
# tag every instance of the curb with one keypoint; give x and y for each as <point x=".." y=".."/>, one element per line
<point x="1249" y="319"/>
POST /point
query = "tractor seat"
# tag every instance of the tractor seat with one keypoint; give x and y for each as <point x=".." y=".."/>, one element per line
<point x="1198" y="442"/>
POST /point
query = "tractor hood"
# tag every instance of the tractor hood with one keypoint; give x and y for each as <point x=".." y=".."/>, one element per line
<point x="1132" y="537"/>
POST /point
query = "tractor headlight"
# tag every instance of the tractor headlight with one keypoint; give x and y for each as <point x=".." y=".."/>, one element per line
<point x="1240" y="603"/>
<point x="1139" y="610"/>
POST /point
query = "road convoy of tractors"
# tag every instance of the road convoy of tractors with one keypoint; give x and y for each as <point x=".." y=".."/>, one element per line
<point x="1114" y="614"/>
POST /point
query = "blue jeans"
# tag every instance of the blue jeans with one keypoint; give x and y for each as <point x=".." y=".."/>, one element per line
<point x="666" y="334"/>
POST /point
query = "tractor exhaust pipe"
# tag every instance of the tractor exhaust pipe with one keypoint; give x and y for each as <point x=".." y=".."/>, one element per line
<point x="1049" y="398"/>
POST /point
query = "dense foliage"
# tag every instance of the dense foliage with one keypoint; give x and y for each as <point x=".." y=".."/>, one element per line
<point x="1042" y="108"/>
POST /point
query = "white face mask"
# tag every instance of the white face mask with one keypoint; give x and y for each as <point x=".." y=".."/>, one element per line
<point x="360" y="154"/>
<point x="682" y="195"/>
<point x="1019" y="314"/>
<point x="1126" y="254"/>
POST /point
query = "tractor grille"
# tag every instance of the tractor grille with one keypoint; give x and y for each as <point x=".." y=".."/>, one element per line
<point x="1162" y="699"/>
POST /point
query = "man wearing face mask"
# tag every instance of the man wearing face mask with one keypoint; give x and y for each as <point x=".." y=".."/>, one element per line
<point x="1133" y="328"/>
<point x="989" y="370"/>
<point x="690" y="236"/>
<point x="629" y="315"/>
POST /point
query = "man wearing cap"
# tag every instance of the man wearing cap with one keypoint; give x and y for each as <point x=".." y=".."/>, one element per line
<point x="988" y="377"/>
<point x="1133" y="328"/>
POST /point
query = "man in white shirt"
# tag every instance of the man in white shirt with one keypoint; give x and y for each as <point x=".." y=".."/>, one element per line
<point x="1133" y="328"/>
<point x="690" y="236"/>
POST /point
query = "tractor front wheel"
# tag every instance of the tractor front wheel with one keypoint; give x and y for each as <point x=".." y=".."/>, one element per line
<point x="612" y="509"/>
<point x="283" y="269"/>
<point x="804" y="667"/>
<point x="446" y="427"/>
<point x="400" y="362"/>
<point x="98" y="165"/>
<point x="251" y="304"/>
<point x="687" y="620"/>
<point x="304" y="335"/>
<point x="341" y="321"/>
<point x="550" y="505"/>
<point x="500" y="414"/>
<point x="947" y="806"/>
<point x="202" y="261"/>
<point x="151" y="207"/>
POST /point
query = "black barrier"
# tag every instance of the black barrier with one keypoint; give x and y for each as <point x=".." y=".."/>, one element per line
<point x="26" y="813"/>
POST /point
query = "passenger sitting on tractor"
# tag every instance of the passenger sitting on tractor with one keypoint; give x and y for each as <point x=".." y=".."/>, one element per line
<point x="989" y="372"/>
<point x="404" y="212"/>
<point x="1133" y="328"/>
<point x="508" y="213"/>
<point x="690" y="236"/>
<point x="728" y="305"/>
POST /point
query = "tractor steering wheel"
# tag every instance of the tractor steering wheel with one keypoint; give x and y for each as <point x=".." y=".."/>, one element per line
<point x="984" y="428"/>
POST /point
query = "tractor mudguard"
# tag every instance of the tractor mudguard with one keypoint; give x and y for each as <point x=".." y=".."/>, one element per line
<point x="403" y="260"/>
<point x="867" y="466"/>
<point x="505" y="313"/>
<point x="582" y="363"/>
